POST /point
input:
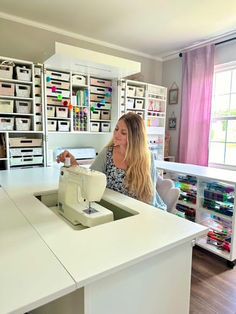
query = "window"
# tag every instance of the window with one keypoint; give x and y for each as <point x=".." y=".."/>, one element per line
<point x="222" y="141"/>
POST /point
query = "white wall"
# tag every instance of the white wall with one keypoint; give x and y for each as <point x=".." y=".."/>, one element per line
<point x="172" y="71"/>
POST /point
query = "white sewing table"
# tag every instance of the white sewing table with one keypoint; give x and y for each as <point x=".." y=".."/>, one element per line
<point x="140" y="264"/>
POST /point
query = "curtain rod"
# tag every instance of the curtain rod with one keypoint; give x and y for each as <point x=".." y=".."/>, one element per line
<point x="216" y="44"/>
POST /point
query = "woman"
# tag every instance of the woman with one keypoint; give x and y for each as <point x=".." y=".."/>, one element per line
<point x="126" y="161"/>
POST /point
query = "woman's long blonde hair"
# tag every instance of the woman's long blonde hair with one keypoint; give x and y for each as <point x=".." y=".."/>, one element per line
<point x="137" y="157"/>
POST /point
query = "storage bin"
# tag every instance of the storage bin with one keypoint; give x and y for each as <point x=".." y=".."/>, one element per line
<point x="62" y="112"/>
<point x="95" y="97"/>
<point x="105" y="127"/>
<point x="138" y="104"/>
<point x="23" y="73"/>
<point x="27" y="160"/>
<point x="38" y="126"/>
<point x="58" y="75"/>
<point x="94" y="126"/>
<point x="98" y="90"/>
<point x="37" y="81"/>
<point x="139" y="91"/>
<point x="23" y="106"/>
<point x="52" y="125"/>
<point x="30" y="151"/>
<point x="100" y="82"/>
<point x="38" y="108"/>
<point x="106" y="106"/>
<point x="55" y="101"/>
<point x="23" y="124"/>
<point x="6" y="123"/>
<point x="63" y="126"/>
<point x="38" y="100"/>
<point x="37" y="71"/>
<point x="78" y="79"/>
<point x="59" y="84"/>
<point x="105" y="115"/>
<point x="37" y="90"/>
<point x="23" y="90"/>
<point x="38" y="118"/>
<point x="57" y="92"/>
<point x="6" y="105"/>
<point x="130" y="103"/>
<point x="95" y="115"/>
<point x="50" y="111"/>
<point x="24" y="141"/>
<point x="6" y="89"/>
<point x="6" y="71"/>
<point x="140" y="113"/>
<point x="131" y="91"/>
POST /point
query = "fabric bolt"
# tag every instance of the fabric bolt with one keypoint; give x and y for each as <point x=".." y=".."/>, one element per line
<point x="197" y="80"/>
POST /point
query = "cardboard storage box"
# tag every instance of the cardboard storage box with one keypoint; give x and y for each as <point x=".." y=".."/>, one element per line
<point x="7" y="89"/>
<point x="6" y="105"/>
<point x="105" y="115"/>
<point x="24" y="141"/>
<point x="23" y="106"/>
<point x="6" y="124"/>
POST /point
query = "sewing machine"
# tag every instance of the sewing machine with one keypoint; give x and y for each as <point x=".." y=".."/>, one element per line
<point x="79" y="189"/>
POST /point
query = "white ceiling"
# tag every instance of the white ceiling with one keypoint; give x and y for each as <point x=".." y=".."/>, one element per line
<point x="156" y="28"/>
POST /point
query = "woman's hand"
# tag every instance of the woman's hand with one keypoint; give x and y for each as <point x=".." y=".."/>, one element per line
<point x="61" y="158"/>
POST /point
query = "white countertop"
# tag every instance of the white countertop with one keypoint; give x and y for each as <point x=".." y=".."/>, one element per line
<point x="85" y="255"/>
<point x="199" y="171"/>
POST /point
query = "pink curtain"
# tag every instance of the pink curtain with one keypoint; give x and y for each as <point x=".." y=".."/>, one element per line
<point x="197" y="79"/>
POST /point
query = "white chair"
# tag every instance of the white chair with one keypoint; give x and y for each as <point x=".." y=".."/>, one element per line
<point x="168" y="192"/>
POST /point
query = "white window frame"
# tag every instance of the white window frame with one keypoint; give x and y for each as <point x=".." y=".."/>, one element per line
<point x="222" y="68"/>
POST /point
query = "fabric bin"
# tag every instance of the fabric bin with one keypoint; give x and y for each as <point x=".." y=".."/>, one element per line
<point x="95" y="115"/>
<point x="139" y="91"/>
<point x="57" y="92"/>
<point x="38" y="108"/>
<point x="24" y="142"/>
<point x="95" y="97"/>
<point x="62" y="112"/>
<point x="78" y="79"/>
<point x="6" y="105"/>
<point x="23" y="90"/>
<point x="138" y="104"/>
<point x="94" y="126"/>
<point x="6" y="89"/>
<point x="38" y="126"/>
<point x="105" y="127"/>
<point x="131" y="91"/>
<point x="38" y="100"/>
<point x="100" y="82"/>
<point x="23" y="106"/>
<point x="63" y="126"/>
<point x="59" y="84"/>
<point x="50" y="111"/>
<point x="22" y="124"/>
<point x="105" y="115"/>
<point x="37" y="90"/>
<point x="58" y="76"/>
<point x="30" y="151"/>
<point x="23" y="73"/>
<point x="52" y="125"/>
<point x="130" y="103"/>
<point x="6" y="123"/>
<point x="6" y="71"/>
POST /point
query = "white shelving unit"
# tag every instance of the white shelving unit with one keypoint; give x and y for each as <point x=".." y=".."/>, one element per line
<point x="149" y="101"/>
<point x="207" y="197"/>
<point x="19" y="89"/>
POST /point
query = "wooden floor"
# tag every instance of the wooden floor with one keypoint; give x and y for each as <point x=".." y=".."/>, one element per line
<point x="213" y="286"/>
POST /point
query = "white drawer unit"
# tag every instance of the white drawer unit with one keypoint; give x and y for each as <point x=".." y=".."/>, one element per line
<point x="62" y="112"/>
<point x="105" y="126"/>
<point x="23" y="73"/>
<point x="54" y="75"/>
<point x="63" y="126"/>
<point x="52" y="125"/>
<point x="23" y="124"/>
<point x="26" y="151"/>
<point x="23" y="90"/>
<point x="6" y="105"/>
<point x="78" y="80"/>
<point x="7" y="89"/>
<point x="23" y="106"/>
<point x="24" y="142"/>
<point x="63" y="93"/>
<point x="6" y="123"/>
